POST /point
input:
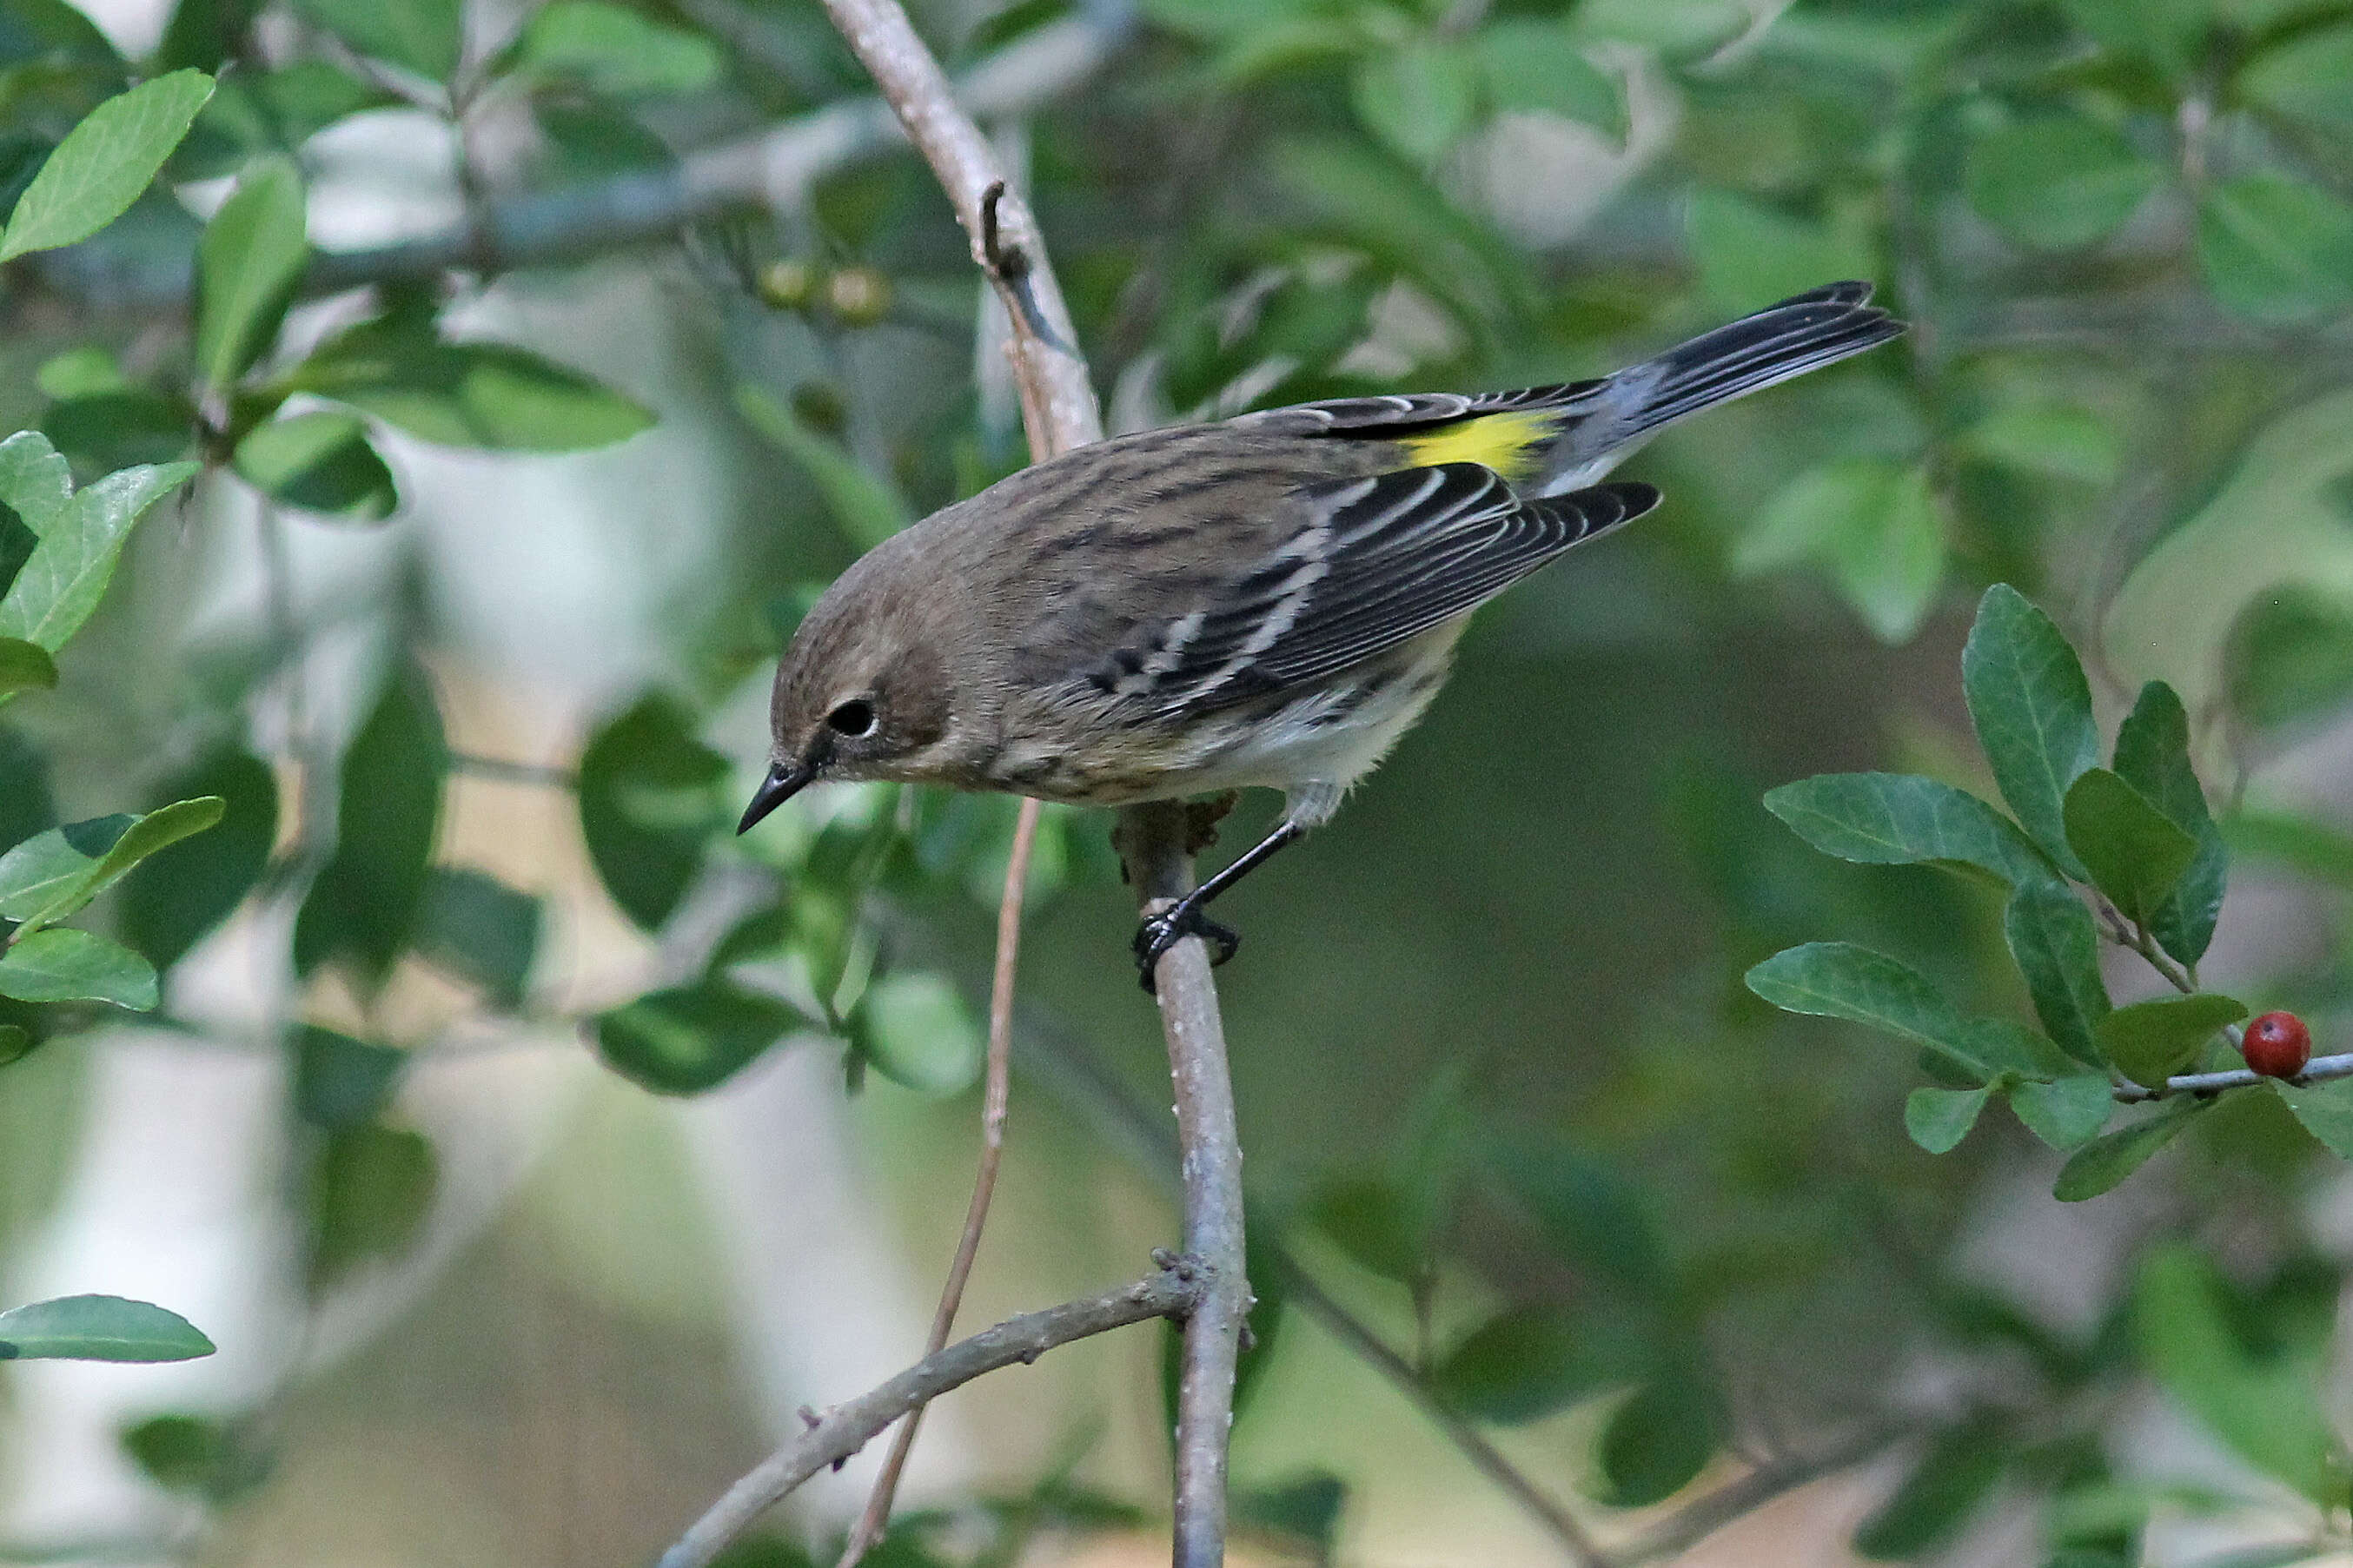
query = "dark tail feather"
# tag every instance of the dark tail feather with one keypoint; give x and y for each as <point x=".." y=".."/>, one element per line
<point x="1781" y="341"/>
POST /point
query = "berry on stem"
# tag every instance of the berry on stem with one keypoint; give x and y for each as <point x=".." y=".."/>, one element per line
<point x="2277" y="1045"/>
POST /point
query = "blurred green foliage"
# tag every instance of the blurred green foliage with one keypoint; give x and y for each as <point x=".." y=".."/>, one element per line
<point x="1573" y="1170"/>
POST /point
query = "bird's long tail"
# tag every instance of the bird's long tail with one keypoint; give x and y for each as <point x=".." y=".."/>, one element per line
<point x="1781" y="341"/>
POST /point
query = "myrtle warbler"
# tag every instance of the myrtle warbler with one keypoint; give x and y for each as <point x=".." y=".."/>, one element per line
<point x="1269" y="601"/>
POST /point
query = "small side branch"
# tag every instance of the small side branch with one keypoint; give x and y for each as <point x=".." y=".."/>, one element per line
<point x="835" y="1435"/>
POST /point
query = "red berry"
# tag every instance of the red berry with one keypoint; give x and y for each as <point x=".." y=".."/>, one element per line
<point x="2277" y="1045"/>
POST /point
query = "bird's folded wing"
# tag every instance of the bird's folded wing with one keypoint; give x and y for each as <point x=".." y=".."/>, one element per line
<point x="1372" y="563"/>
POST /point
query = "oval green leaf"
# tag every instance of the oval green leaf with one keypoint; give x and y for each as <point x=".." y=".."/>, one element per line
<point x="321" y="461"/>
<point x="690" y="1039"/>
<point x="98" y="1327"/>
<point x="247" y="264"/>
<point x="1901" y="819"/>
<point x="2058" y="182"/>
<point x="2108" y="1159"/>
<point x="2057" y="950"/>
<point x="1840" y="980"/>
<point x="2134" y="854"/>
<point x="2150" y="1041"/>
<point x="2275" y="249"/>
<point x="2032" y="711"/>
<point x="104" y="163"/>
<point x="1938" y="1119"/>
<point x="918" y="1033"/>
<point x="66" y="965"/>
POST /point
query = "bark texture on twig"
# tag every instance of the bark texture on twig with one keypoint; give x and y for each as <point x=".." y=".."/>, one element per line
<point x="834" y="1435"/>
<point x="1156" y="842"/>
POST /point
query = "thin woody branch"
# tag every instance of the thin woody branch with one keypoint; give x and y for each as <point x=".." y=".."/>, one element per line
<point x="2318" y="1070"/>
<point x="835" y="1435"/>
<point x="1059" y="412"/>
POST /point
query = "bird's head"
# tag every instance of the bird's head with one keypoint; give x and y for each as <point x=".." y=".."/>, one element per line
<point x="861" y="693"/>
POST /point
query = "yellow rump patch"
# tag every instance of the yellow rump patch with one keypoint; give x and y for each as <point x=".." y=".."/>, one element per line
<point x="1511" y="444"/>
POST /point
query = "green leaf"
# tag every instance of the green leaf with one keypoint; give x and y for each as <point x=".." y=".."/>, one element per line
<point x="123" y="429"/>
<point x="693" y="1038"/>
<point x="1530" y="64"/>
<point x="362" y="908"/>
<point x="649" y="804"/>
<point x="918" y="1033"/>
<point x="1522" y="1365"/>
<point x="1418" y="98"/>
<point x="46" y="879"/>
<point x="1305" y="1510"/>
<point x="868" y="507"/>
<point x="1750" y="255"/>
<point x="1656" y="1443"/>
<point x="216" y="1461"/>
<point x="372" y="1190"/>
<point x="1938" y="1119"/>
<point x="66" y="574"/>
<point x="35" y="482"/>
<point x="262" y="111"/>
<point x="104" y="163"/>
<point x="247" y="264"/>
<point x="1588" y="1208"/>
<point x="14" y="1042"/>
<point x="97" y="1328"/>
<point x="419" y="36"/>
<point x="25" y="666"/>
<point x="491" y="395"/>
<point x="2153" y="757"/>
<point x="2150" y="1041"/>
<point x="204" y="33"/>
<point x="2108" y="1159"/>
<point x="2057" y="948"/>
<point x="65" y="965"/>
<point x="2066" y="1114"/>
<point x="2134" y="855"/>
<point x="1373" y="1224"/>
<point x="26" y="806"/>
<point x="2290" y="656"/>
<point x="1901" y="819"/>
<point x="2275" y="249"/>
<point x="340" y="1081"/>
<point x="2267" y="1409"/>
<point x="480" y="930"/>
<point x="2314" y="848"/>
<point x="1840" y="980"/>
<point x="2033" y="709"/>
<point x="2306" y="78"/>
<point x="2058" y="182"/>
<point x="190" y="888"/>
<point x="2058" y="439"/>
<point x="321" y="461"/>
<point x="614" y="50"/>
<point x="1944" y="1490"/>
<point x="2326" y="1109"/>
<point x="1873" y="523"/>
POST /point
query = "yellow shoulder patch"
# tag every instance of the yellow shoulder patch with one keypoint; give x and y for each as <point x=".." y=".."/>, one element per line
<point x="1511" y="444"/>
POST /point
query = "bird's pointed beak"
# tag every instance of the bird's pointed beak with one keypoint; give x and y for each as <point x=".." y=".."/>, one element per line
<point x="784" y="782"/>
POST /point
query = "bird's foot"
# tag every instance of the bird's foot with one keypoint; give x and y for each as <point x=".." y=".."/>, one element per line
<point x="1161" y="931"/>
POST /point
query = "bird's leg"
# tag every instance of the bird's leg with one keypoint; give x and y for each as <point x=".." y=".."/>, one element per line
<point x="1161" y="931"/>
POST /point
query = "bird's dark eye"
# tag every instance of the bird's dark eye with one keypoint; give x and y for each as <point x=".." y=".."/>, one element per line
<point x="852" y="718"/>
